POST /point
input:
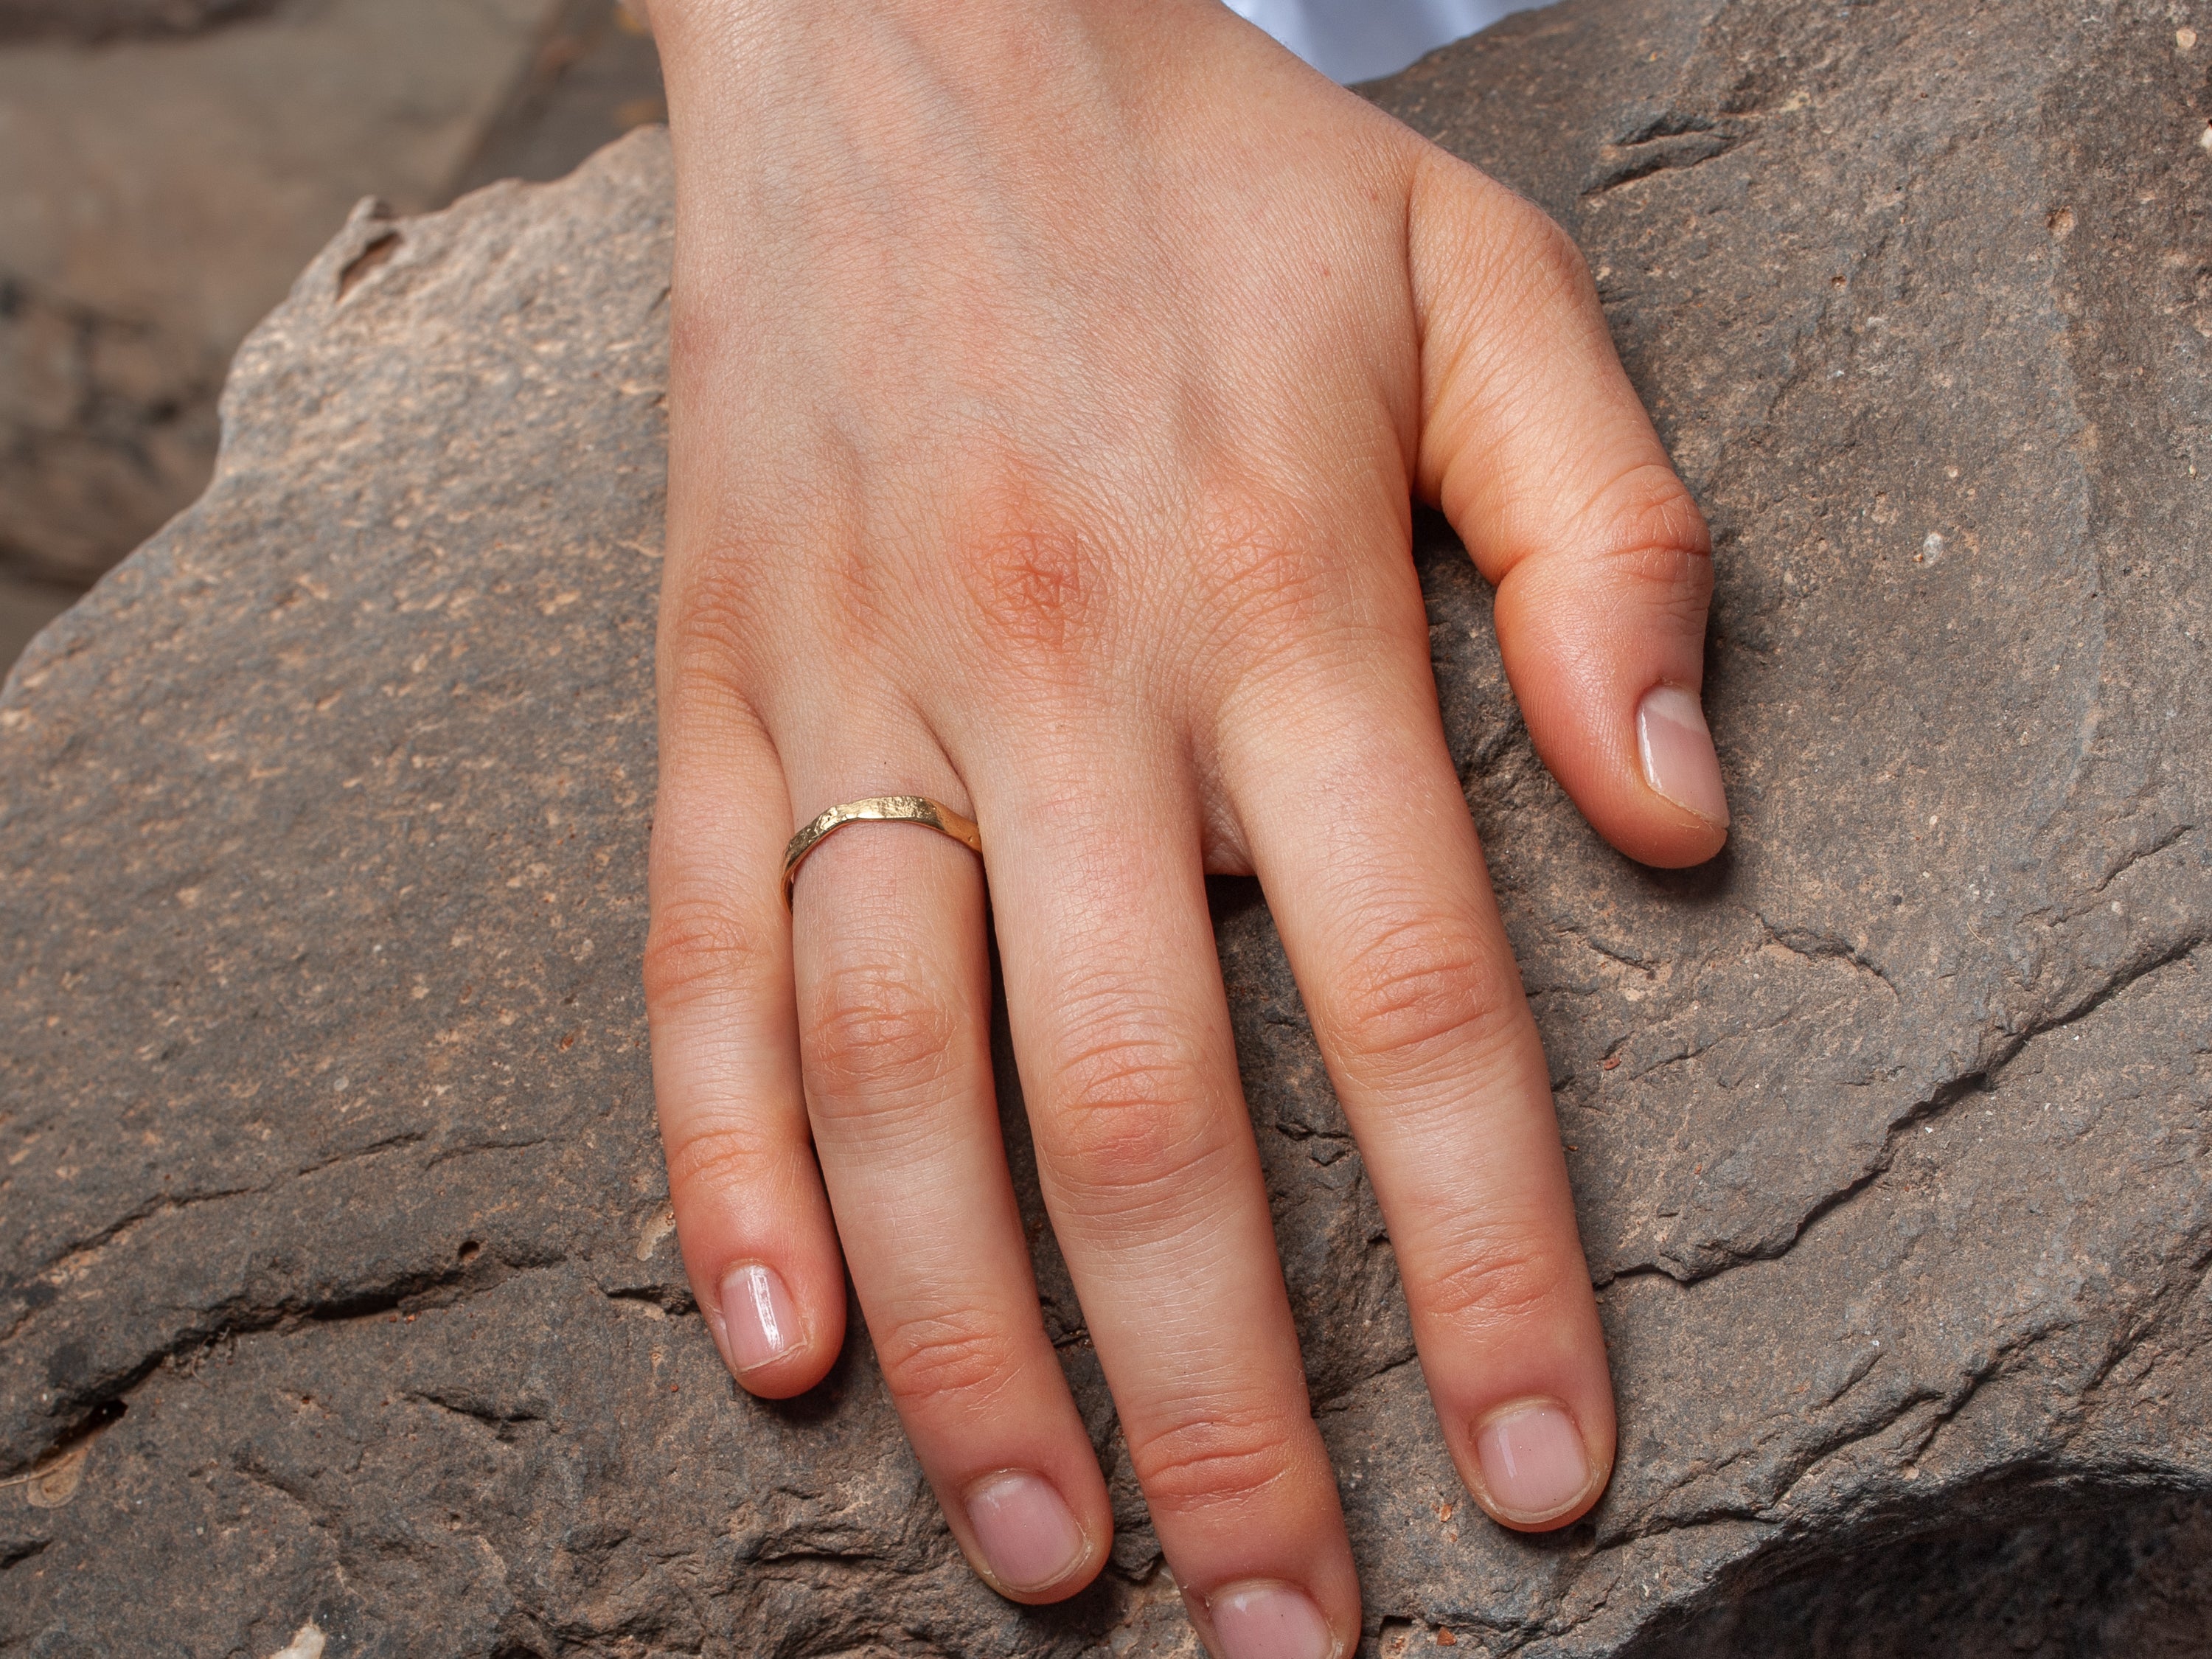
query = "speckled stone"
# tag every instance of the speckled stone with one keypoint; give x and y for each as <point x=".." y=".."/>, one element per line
<point x="339" y="1282"/>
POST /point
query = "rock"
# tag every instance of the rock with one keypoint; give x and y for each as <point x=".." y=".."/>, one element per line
<point x="157" y="197"/>
<point x="333" y="1214"/>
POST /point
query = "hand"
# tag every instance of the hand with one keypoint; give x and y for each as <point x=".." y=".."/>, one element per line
<point x="1050" y="378"/>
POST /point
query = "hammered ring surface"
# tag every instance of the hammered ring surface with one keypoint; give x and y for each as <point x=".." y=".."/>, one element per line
<point x="882" y="809"/>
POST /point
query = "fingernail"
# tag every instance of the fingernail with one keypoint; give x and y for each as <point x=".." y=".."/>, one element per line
<point x="1677" y="747"/>
<point x="1025" y="1530"/>
<point x="758" y="1316"/>
<point x="1532" y="1460"/>
<point x="1268" y="1621"/>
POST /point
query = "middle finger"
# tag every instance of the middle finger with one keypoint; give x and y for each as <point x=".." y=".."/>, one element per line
<point x="1153" y="1182"/>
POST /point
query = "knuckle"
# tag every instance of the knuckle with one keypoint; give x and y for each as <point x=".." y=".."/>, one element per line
<point x="1551" y="257"/>
<point x="697" y="326"/>
<point x="1637" y="544"/>
<point x="1495" y="1283"/>
<point x="734" y="598"/>
<point x="1030" y="580"/>
<point x="1130" y="1134"/>
<point x="872" y="1033"/>
<point x="1261" y="582"/>
<point x="1655" y="540"/>
<point x="962" y="1359"/>
<point x="717" y="1157"/>
<point x="1411" y="989"/>
<point x="695" y="949"/>
<point x="707" y="617"/>
<point x="1027" y="585"/>
<point x="1209" y="1455"/>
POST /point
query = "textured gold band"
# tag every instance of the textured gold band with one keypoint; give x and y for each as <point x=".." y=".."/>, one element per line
<point x="886" y="809"/>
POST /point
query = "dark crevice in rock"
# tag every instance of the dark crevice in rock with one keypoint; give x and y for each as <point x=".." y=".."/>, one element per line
<point x="1336" y="1402"/>
<point x="1958" y="1088"/>
<point x="71" y="1256"/>
<point x="1669" y="144"/>
<point x="1995" y="1574"/>
<point x="1948" y="1095"/>
<point x="87" y="1404"/>
<point x="359" y="267"/>
<point x="2172" y="837"/>
<point x="475" y="1149"/>
<point x="2160" y="955"/>
<point x="502" y="1422"/>
<point x="1812" y="943"/>
<point x="669" y="1298"/>
<point x="13" y="1551"/>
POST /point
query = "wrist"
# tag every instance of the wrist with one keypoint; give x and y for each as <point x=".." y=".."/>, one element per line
<point x="731" y="65"/>
<point x="693" y="18"/>
<point x="685" y="29"/>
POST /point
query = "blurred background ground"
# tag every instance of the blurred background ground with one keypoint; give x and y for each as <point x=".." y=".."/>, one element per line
<point x="167" y="166"/>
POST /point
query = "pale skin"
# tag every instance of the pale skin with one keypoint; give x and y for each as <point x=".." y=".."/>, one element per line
<point x="1051" y="381"/>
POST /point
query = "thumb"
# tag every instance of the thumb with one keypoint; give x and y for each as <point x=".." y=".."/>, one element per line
<point x="1534" y="446"/>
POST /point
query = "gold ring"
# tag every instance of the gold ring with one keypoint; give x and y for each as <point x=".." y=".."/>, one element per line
<point x="886" y="808"/>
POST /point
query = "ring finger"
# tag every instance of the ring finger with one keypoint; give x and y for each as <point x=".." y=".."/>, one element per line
<point x="893" y="995"/>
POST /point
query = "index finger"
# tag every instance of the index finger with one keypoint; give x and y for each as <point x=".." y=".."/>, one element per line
<point x="1364" y="845"/>
<point x="1535" y="445"/>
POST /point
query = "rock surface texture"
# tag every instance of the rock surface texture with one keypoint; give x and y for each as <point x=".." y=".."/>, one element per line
<point x="339" y="1287"/>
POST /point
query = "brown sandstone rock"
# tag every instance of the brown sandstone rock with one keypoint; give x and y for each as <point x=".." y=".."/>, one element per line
<point x="332" y="1212"/>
